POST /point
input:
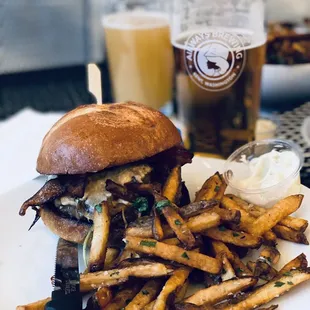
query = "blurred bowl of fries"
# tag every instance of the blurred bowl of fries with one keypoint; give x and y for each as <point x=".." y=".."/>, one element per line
<point x="264" y="171"/>
<point x="285" y="86"/>
<point x="287" y="68"/>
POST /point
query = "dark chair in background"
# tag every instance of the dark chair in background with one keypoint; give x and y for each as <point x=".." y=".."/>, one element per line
<point x="44" y="49"/>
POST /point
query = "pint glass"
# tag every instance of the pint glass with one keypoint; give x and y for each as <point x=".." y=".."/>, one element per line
<point x="139" y="51"/>
<point x="219" y="50"/>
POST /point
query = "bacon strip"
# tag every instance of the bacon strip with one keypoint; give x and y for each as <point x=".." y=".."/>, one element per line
<point x="120" y="191"/>
<point x="176" y="156"/>
<point x="72" y="186"/>
<point x="50" y="190"/>
<point x="75" y="185"/>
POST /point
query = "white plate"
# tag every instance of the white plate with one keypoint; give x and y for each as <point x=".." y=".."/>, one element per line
<point x="27" y="258"/>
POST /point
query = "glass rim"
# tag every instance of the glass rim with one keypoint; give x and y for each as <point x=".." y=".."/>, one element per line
<point x="292" y="145"/>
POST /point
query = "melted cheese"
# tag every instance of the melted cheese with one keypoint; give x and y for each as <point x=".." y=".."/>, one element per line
<point x="95" y="191"/>
<point x="68" y="201"/>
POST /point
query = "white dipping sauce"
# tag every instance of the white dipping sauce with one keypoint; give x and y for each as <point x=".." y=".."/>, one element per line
<point x="265" y="171"/>
<point x="269" y="169"/>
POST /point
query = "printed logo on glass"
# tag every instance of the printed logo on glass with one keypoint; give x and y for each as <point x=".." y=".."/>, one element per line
<point x="214" y="60"/>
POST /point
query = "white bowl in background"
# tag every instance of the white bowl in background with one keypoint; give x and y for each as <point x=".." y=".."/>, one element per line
<point x="285" y="82"/>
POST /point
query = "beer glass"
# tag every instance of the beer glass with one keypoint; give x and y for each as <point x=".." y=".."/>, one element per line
<point x="219" y="50"/>
<point x="139" y="52"/>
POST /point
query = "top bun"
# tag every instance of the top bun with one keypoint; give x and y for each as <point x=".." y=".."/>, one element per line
<point x="93" y="137"/>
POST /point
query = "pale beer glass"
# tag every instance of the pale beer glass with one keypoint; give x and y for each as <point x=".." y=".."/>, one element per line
<point x="219" y="50"/>
<point x="139" y="52"/>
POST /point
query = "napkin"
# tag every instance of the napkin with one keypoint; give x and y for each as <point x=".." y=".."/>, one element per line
<point x="305" y="131"/>
<point x="20" y="140"/>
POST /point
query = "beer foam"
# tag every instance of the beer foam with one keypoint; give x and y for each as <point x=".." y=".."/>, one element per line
<point x="257" y="39"/>
<point x="135" y="20"/>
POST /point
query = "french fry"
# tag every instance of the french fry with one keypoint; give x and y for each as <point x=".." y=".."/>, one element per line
<point x="172" y="252"/>
<point x="289" y="234"/>
<point x="140" y="261"/>
<point x="110" y="257"/>
<point x="221" y="248"/>
<point x="90" y="281"/>
<point x="240" y="269"/>
<point x="246" y="220"/>
<point x="299" y="262"/>
<point x="271" y="290"/>
<point x="234" y="299"/>
<point x="126" y="254"/>
<point x="262" y="270"/>
<point x="270" y="238"/>
<point x="100" y="299"/>
<point x="197" y="207"/>
<point x="295" y="223"/>
<point x="143" y="232"/>
<point x="38" y="305"/>
<point x="275" y="214"/>
<point x="181" y="291"/>
<point x="100" y="237"/>
<point x="221" y="305"/>
<point x="229" y="272"/>
<point x="216" y="293"/>
<point x="103" y="296"/>
<point x="226" y="303"/>
<point x="179" y="226"/>
<point x="290" y="222"/>
<point x="172" y="184"/>
<point x="150" y="306"/>
<point x="157" y="229"/>
<point x="213" y="188"/>
<point x="172" y="241"/>
<point x="229" y="216"/>
<point x="196" y="224"/>
<point x="270" y="254"/>
<point x="255" y="211"/>
<point x="220" y="192"/>
<point x="241" y="202"/>
<point x="251" y="266"/>
<point x="146" y="295"/>
<point x="227" y="269"/>
<point x="237" y="238"/>
<point x="272" y="307"/>
<point x="176" y="280"/>
<point x="123" y="297"/>
<point x="87" y="286"/>
<point x="141" y="227"/>
<point x="186" y="306"/>
<point x="203" y="221"/>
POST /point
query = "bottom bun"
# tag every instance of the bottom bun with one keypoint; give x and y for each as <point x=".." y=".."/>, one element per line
<point x="68" y="229"/>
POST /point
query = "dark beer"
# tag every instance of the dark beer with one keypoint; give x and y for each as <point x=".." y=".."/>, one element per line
<point x="218" y="121"/>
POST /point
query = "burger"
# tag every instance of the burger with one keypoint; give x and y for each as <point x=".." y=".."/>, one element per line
<point x="98" y="153"/>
